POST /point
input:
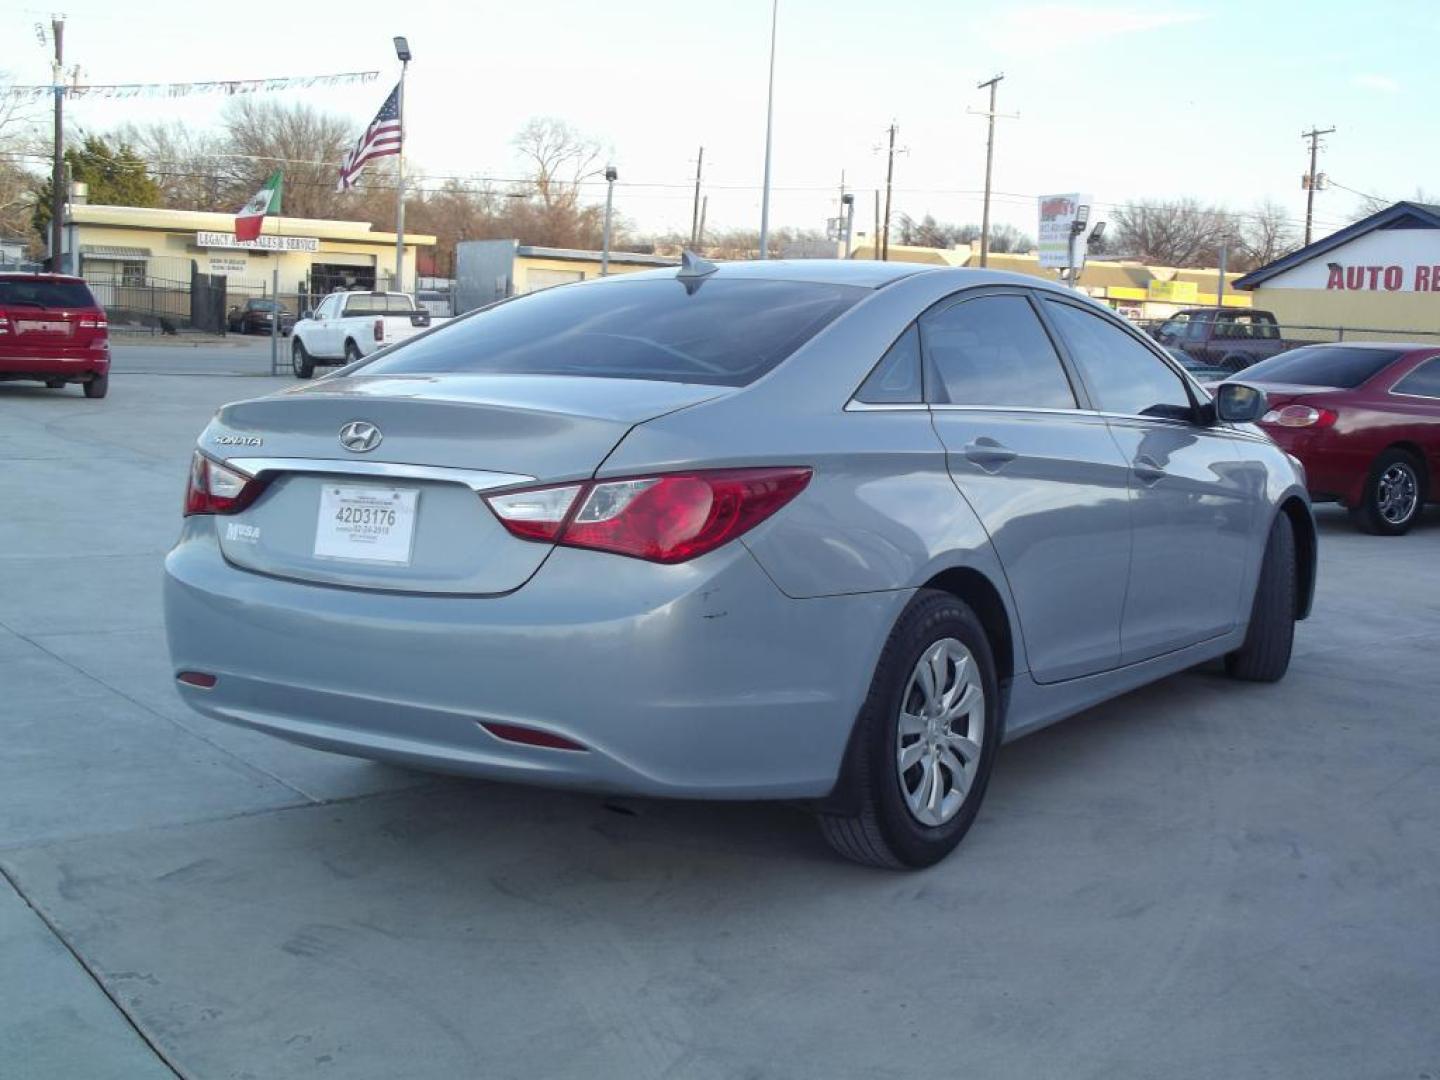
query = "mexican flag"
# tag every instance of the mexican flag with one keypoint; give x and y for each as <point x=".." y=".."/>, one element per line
<point x="265" y="201"/>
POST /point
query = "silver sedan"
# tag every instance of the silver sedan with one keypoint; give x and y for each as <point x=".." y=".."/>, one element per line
<point x="829" y="531"/>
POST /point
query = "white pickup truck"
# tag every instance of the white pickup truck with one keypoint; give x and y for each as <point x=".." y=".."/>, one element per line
<point x="347" y="326"/>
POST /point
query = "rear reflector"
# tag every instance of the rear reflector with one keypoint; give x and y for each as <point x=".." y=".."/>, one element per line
<point x="530" y="736"/>
<point x="203" y="679"/>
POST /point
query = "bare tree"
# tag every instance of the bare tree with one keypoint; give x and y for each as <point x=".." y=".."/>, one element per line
<point x="20" y="141"/>
<point x="187" y="163"/>
<point x="559" y="159"/>
<point x="1373" y="204"/>
<point x="1266" y="234"/>
<point x="259" y="137"/>
<point x="1179" y="233"/>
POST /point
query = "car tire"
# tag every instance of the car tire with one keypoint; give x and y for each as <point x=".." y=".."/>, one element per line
<point x="1394" y="495"/>
<point x="55" y="384"/>
<point x="352" y="352"/>
<point x="301" y="362"/>
<point x="98" y="387"/>
<point x="869" y="818"/>
<point x="1265" y="655"/>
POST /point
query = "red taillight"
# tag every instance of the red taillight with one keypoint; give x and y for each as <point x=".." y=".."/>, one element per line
<point x="217" y="489"/>
<point x="203" y="679"/>
<point x="1300" y="416"/>
<point x="379" y="329"/>
<point x="667" y="519"/>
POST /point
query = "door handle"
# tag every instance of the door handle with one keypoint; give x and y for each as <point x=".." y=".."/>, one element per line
<point x="988" y="454"/>
<point x="1147" y="470"/>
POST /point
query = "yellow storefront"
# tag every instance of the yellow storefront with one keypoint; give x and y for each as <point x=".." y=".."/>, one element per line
<point x="130" y="246"/>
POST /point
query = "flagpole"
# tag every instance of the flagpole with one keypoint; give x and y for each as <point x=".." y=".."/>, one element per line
<point x="400" y="186"/>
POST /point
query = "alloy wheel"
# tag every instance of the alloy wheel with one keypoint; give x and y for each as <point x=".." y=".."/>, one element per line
<point x="1397" y="494"/>
<point x="940" y="732"/>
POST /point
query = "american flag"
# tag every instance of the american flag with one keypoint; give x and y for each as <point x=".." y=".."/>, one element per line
<point x="383" y="137"/>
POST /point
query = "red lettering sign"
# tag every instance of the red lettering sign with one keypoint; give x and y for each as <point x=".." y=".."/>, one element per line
<point x="1355" y="277"/>
<point x="1422" y="279"/>
<point x="1337" y="277"/>
<point x="1394" y="278"/>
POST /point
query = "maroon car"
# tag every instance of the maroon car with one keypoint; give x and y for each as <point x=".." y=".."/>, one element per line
<point x="53" y="331"/>
<point x="1364" y="419"/>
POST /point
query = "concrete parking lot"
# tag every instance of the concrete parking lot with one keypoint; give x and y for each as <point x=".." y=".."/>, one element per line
<point x="1202" y="879"/>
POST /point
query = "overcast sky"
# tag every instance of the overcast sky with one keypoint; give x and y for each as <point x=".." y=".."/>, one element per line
<point x="1123" y="100"/>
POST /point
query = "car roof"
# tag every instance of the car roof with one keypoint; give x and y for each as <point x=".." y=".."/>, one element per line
<point x="1388" y="346"/>
<point x="864" y="273"/>
<point x="20" y="275"/>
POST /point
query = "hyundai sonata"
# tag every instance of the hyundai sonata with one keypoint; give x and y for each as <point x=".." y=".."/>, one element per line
<point x="828" y="531"/>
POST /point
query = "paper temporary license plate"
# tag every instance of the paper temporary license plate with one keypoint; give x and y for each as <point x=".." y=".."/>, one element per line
<point x="371" y="524"/>
<point x="36" y="326"/>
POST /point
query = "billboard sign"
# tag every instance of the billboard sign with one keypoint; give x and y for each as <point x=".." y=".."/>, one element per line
<point x="1058" y="214"/>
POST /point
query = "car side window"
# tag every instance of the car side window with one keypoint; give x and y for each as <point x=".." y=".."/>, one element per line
<point x="1196" y="330"/>
<point x="1123" y="375"/>
<point x="326" y="308"/>
<point x="895" y="380"/>
<point x="1423" y="381"/>
<point x="992" y="351"/>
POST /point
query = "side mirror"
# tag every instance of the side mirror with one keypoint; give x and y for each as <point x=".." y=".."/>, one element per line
<point x="307" y="314"/>
<point x="1236" y="403"/>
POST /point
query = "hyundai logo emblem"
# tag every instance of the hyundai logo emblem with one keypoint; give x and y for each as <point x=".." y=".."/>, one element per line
<point x="359" y="436"/>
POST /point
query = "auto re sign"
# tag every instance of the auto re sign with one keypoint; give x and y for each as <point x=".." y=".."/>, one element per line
<point x="1386" y="260"/>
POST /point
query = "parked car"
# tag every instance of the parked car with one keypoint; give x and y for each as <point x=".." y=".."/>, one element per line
<point x="257" y="316"/>
<point x="818" y="530"/>
<point x="52" y="330"/>
<point x="349" y="326"/>
<point x="1364" y="418"/>
<point x="1227" y="338"/>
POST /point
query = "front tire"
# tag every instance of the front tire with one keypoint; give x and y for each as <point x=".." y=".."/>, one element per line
<point x="301" y="362"/>
<point x="924" y="743"/>
<point x="1395" y="493"/>
<point x="55" y="384"/>
<point x="1265" y="655"/>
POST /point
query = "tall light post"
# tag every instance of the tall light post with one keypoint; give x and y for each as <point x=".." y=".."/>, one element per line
<point x="402" y="52"/>
<point x="611" y="175"/>
<point x="769" y="118"/>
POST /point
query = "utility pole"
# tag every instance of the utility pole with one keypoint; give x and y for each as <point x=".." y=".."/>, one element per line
<point x="1310" y="180"/>
<point x="875" y="239"/>
<point x="695" y="212"/>
<point x="989" y="162"/>
<point x="769" y="117"/>
<point x="57" y="167"/>
<point x="889" y="178"/>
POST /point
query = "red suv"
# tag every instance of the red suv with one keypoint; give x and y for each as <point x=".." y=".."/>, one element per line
<point x="53" y="331"/>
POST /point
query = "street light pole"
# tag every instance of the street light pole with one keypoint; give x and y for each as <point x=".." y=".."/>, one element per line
<point x="611" y="175"/>
<point x="769" y="118"/>
<point x="402" y="51"/>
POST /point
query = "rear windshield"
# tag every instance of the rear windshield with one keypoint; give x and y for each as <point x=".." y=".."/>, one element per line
<point x="1323" y="365"/>
<point x="42" y="293"/>
<point x="369" y="304"/>
<point x="262" y="305"/>
<point x="724" y="333"/>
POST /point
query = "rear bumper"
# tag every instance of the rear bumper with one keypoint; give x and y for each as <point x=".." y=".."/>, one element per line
<point x="697" y="680"/>
<point x="91" y="362"/>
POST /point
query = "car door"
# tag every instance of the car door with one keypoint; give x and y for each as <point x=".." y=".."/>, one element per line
<point x="1192" y="500"/>
<point x="327" y="331"/>
<point x="1419" y="393"/>
<point x="1043" y="475"/>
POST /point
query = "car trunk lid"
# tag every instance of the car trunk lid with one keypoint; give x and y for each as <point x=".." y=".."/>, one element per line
<point x="437" y="442"/>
